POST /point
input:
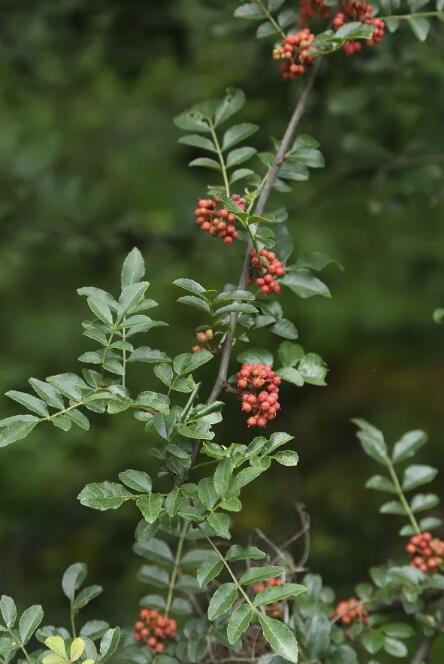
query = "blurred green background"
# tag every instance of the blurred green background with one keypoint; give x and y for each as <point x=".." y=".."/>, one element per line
<point x="90" y="166"/>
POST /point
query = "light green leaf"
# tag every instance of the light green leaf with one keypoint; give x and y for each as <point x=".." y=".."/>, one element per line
<point x="305" y="284"/>
<point x="420" y="27"/>
<point x="29" y="621"/>
<point x="239" y="155"/>
<point x="233" y="101"/>
<point x="57" y="645"/>
<point x="76" y="650"/>
<point x="15" y="428"/>
<point x="100" y="310"/>
<point x="238" y="133"/>
<point x="104" y="496"/>
<point x="290" y="354"/>
<point x="372" y="441"/>
<point x="222" y="476"/>
<point x="137" y="480"/>
<point x="197" y="141"/>
<point x="188" y="362"/>
<point x="8" y="610"/>
<point x="150" y="506"/>
<point x="408" y="445"/>
<point x="73" y="578"/>
<point x="287" y="458"/>
<point x="291" y="375"/>
<point x="109" y="643"/>
<point x="30" y="402"/>
<point x="416" y="475"/>
<point x="133" y="269"/>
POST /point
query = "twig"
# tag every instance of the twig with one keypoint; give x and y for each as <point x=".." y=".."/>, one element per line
<point x="424" y="652"/>
<point x="259" y="209"/>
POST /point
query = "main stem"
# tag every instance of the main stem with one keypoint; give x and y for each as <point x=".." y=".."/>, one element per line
<point x="259" y="209"/>
<point x="176" y="569"/>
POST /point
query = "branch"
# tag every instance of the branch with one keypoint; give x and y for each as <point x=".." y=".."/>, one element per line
<point x="424" y="652"/>
<point x="259" y="209"/>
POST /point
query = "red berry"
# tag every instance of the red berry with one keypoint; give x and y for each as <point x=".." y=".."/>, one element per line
<point x="215" y="220"/>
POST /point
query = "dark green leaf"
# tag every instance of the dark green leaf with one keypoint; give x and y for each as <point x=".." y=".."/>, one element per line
<point x="222" y="600"/>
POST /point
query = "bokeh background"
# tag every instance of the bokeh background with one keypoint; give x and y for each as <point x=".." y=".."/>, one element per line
<point x="90" y="166"/>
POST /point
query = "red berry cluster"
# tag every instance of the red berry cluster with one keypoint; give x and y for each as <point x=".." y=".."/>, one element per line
<point x="260" y="393"/>
<point x="426" y="553"/>
<point x="153" y="629"/>
<point x="295" y="53"/>
<point x="309" y="8"/>
<point x="349" y="611"/>
<point x="214" y="219"/>
<point x="359" y="10"/>
<point x="275" y="609"/>
<point x="265" y="268"/>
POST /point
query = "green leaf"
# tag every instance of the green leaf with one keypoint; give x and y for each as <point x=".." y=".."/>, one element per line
<point x="416" y="475"/>
<point x="380" y="483"/>
<point x="372" y="441"/>
<point x="255" y="574"/>
<point x="85" y="596"/>
<point x="256" y="356"/>
<point x="8" y="611"/>
<point x="109" y="643"/>
<point x="408" y="445"/>
<point x="148" y="355"/>
<point x="222" y="476"/>
<point x="317" y="635"/>
<point x="15" y="428"/>
<point x="240" y="174"/>
<point x="131" y="296"/>
<point x="205" y="162"/>
<point x="287" y="458"/>
<point x="372" y="640"/>
<point x="198" y="142"/>
<point x="265" y="30"/>
<point x="190" y="285"/>
<point x="207" y="493"/>
<point x="192" y="120"/>
<point x="29" y="621"/>
<point x="188" y="362"/>
<point x="47" y="392"/>
<point x="196" y="302"/>
<point x="154" y="400"/>
<point x="100" y="310"/>
<point x="164" y="373"/>
<point x="291" y="375"/>
<point x="233" y="101"/>
<point x="395" y="648"/>
<point x="137" y="480"/>
<point x="420" y="27"/>
<point x="153" y="602"/>
<point x="398" y="630"/>
<point x="209" y="570"/>
<point x="285" y="328"/>
<point x="150" y="506"/>
<point x="280" y="638"/>
<point x="133" y="269"/>
<point x="236" y="552"/>
<point x="104" y="495"/>
<point x="392" y="507"/>
<point x="277" y="439"/>
<point x="156" y="550"/>
<point x="222" y="600"/>
<point x="305" y="284"/>
<point x="249" y="10"/>
<point x="220" y="523"/>
<point x="239" y="155"/>
<point x="290" y="354"/>
<point x="238" y="133"/>
<point x="279" y="593"/>
<point x="73" y="578"/>
<point x="154" y="576"/>
<point x="30" y="402"/>
<point x="424" y="501"/>
<point x="239" y="622"/>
